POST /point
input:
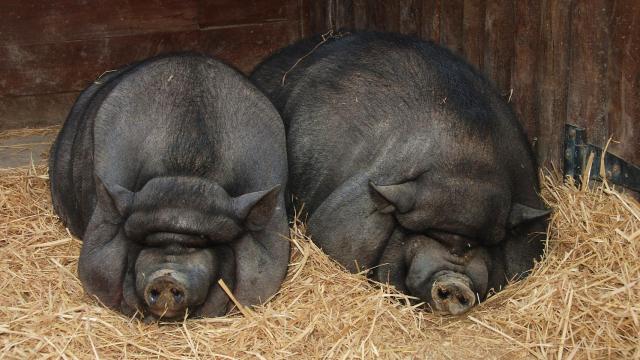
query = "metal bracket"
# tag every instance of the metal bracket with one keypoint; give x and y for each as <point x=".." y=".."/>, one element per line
<point x="576" y="153"/>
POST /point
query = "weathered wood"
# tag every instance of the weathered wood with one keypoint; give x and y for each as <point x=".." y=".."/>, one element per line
<point x="68" y="66"/>
<point x="410" y="16"/>
<point x="344" y="16"/>
<point x="360" y="14"/>
<point x="40" y="22"/>
<point x="552" y="91"/>
<point x="587" y="94"/>
<point x="524" y="77"/>
<point x="499" y="29"/>
<point x="473" y="32"/>
<point x="451" y="25"/>
<point x="213" y="13"/>
<point x="316" y="16"/>
<point x="566" y="60"/>
<point x="431" y="16"/>
<point x="35" y="110"/>
<point x="377" y="17"/>
<point x="624" y="81"/>
<point x="41" y="72"/>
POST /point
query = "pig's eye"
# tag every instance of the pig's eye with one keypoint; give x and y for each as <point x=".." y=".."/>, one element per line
<point x="452" y="240"/>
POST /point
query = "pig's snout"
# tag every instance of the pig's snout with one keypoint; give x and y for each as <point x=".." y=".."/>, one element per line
<point x="451" y="293"/>
<point x="166" y="295"/>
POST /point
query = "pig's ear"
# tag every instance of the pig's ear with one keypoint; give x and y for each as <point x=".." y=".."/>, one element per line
<point x="521" y="214"/>
<point x="256" y="208"/>
<point x="525" y="240"/>
<point x="389" y="198"/>
<point x="119" y="198"/>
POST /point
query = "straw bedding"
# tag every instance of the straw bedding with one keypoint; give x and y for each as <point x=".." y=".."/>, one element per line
<point x="581" y="301"/>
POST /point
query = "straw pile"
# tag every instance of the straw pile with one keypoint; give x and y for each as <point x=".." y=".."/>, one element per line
<point x="582" y="300"/>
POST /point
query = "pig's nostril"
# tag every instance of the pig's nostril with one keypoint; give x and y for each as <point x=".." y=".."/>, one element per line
<point x="463" y="300"/>
<point x="178" y="295"/>
<point x="443" y="294"/>
<point x="153" y="296"/>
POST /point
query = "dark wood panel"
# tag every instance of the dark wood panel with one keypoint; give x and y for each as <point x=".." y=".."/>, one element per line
<point x="587" y="97"/>
<point x="524" y="77"/>
<point x="391" y="11"/>
<point x="451" y="25"/>
<point x="316" y="16"/>
<point x="344" y="18"/>
<point x="214" y="13"/>
<point x="553" y="71"/>
<point x="360" y="14"/>
<point x="498" y="55"/>
<point x="473" y="32"/>
<point x="38" y="22"/>
<point x="624" y="81"/>
<point x="376" y="16"/>
<point x="35" y="111"/>
<point x="431" y="16"/>
<point x="69" y="66"/>
<point x="410" y="16"/>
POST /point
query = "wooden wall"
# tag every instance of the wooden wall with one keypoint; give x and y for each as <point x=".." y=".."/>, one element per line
<point x="50" y="50"/>
<point x="560" y="61"/>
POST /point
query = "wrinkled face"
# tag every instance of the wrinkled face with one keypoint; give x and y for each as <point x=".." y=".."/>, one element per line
<point x="455" y="238"/>
<point x="184" y="230"/>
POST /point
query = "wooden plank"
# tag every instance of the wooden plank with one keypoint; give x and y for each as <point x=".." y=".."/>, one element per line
<point x="360" y="14"/>
<point x="316" y="16"/>
<point x="410" y="16"/>
<point x="213" y="13"/>
<point x="378" y="19"/>
<point x="69" y="66"/>
<point x="451" y="24"/>
<point x="391" y="10"/>
<point x="587" y="97"/>
<point x="344" y="14"/>
<point x="431" y="20"/>
<point x="552" y="91"/>
<point x="35" y="111"/>
<point x="41" y="22"/>
<point x="499" y="30"/>
<point x="473" y="32"/>
<point x="624" y="81"/>
<point x="524" y="78"/>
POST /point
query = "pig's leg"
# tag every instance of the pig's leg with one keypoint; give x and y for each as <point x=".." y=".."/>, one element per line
<point x="349" y="227"/>
<point x="217" y="300"/>
<point x="106" y="254"/>
<point x="103" y="260"/>
<point x="261" y="260"/>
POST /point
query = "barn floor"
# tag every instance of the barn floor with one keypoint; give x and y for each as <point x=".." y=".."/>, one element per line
<point x="581" y="301"/>
<point x="25" y="147"/>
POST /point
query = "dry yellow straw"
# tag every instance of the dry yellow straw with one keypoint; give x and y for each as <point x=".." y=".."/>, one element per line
<point x="581" y="301"/>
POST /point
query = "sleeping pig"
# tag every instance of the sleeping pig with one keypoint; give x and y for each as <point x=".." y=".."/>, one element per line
<point x="408" y="162"/>
<point x="172" y="172"/>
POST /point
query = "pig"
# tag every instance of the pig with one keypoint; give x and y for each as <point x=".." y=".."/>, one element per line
<point x="408" y="163"/>
<point x="172" y="172"/>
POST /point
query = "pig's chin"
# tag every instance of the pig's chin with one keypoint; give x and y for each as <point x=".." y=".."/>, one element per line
<point x="168" y="315"/>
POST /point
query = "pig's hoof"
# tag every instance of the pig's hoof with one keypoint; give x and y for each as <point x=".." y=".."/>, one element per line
<point x="452" y="295"/>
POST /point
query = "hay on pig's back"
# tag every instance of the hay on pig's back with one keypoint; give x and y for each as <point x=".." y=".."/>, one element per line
<point x="582" y="300"/>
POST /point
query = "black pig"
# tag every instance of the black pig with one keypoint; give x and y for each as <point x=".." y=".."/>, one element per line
<point x="408" y="161"/>
<point x="170" y="171"/>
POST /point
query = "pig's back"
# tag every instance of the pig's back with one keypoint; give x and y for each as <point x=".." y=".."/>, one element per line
<point x="178" y="115"/>
<point x="361" y="103"/>
<point x="198" y="117"/>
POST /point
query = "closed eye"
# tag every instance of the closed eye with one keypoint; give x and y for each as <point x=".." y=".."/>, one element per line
<point x="452" y="240"/>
